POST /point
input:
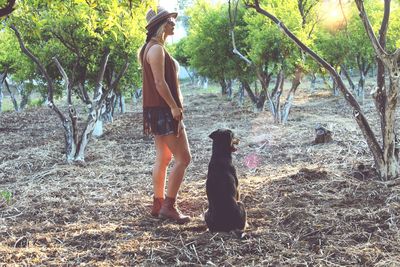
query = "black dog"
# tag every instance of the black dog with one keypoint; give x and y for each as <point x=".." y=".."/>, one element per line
<point x="225" y="211"/>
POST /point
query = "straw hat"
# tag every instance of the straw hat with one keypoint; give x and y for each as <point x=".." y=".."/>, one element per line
<point x="153" y="18"/>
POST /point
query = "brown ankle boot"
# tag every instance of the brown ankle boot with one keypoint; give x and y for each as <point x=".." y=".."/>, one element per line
<point x="157" y="202"/>
<point x="169" y="211"/>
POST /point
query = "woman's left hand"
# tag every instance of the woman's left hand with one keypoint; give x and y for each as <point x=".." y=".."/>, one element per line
<point x="177" y="113"/>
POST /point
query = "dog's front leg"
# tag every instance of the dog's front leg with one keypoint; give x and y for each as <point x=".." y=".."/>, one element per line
<point x="241" y="223"/>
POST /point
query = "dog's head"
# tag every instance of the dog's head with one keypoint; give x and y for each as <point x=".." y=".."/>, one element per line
<point x="224" y="140"/>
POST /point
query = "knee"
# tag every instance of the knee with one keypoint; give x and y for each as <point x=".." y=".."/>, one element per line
<point x="185" y="160"/>
<point x="165" y="160"/>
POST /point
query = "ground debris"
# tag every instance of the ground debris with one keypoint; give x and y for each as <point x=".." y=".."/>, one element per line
<point x="319" y="205"/>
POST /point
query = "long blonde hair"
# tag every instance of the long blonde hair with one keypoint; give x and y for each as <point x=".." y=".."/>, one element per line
<point x="150" y="34"/>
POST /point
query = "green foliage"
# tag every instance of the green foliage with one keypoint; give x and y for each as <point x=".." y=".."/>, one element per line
<point x="268" y="48"/>
<point x="208" y="47"/>
<point x="6" y="195"/>
<point x="12" y="59"/>
<point x="37" y="102"/>
<point x="7" y="105"/>
<point x="393" y="38"/>
<point x="76" y="32"/>
<point x="178" y="51"/>
<point x="347" y="44"/>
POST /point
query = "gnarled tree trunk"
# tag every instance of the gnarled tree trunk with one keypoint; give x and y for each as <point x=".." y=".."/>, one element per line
<point x="2" y="78"/>
<point x="74" y="146"/>
<point x="289" y="100"/>
<point x="385" y="156"/>
<point x="12" y="95"/>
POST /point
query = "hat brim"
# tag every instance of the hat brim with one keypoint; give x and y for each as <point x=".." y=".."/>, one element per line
<point x="160" y="18"/>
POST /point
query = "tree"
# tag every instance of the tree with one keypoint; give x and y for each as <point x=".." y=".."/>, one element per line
<point x="179" y="53"/>
<point x="269" y="53"/>
<point x="6" y="7"/>
<point x="207" y="47"/>
<point x="81" y="37"/>
<point x="344" y="46"/>
<point x="386" y="154"/>
<point x="15" y="70"/>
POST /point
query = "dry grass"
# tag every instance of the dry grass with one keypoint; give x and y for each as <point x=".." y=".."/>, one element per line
<point x="307" y="204"/>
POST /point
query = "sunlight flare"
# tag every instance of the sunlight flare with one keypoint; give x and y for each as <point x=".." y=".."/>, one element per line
<point x="334" y="14"/>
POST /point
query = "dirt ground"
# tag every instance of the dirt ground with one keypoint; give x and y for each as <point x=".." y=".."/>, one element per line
<point x="308" y="205"/>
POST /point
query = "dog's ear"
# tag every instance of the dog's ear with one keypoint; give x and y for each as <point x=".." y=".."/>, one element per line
<point x="214" y="134"/>
<point x="231" y="134"/>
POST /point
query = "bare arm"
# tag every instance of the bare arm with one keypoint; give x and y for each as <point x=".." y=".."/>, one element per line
<point x="156" y="59"/>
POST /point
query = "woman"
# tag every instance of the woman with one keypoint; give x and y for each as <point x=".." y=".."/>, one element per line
<point x="163" y="114"/>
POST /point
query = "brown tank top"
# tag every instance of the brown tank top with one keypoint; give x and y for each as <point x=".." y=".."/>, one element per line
<point x="153" y="103"/>
<point x="151" y="97"/>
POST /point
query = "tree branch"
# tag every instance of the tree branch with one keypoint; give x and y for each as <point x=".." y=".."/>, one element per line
<point x="357" y="112"/>
<point x="66" y="80"/>
<point x="7" y="9"/>
<point x="232" y="22"/>
<point x="379" y="50"/>
<point x="120" y="74"/>
<point x="50" y="86"/>
<point x="67" y="44"/>
<point x="98" y="85"/>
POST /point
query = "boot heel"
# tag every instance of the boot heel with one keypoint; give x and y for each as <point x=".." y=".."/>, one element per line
<point x="169" y="211"/>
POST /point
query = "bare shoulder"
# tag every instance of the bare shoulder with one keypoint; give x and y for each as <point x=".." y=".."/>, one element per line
<point x="156" y="52"/>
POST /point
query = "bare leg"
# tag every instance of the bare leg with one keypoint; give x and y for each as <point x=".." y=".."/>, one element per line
<point x="163" y="158"/>
<point x="179" y="147"/>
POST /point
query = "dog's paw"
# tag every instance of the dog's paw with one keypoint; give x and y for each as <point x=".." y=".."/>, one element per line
<point x="240" y="234"/>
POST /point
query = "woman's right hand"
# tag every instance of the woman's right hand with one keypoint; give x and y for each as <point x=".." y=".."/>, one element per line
<point x="177" y="113"/>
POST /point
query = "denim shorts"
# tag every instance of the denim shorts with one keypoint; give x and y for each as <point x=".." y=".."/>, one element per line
<point x="159" y="121"/>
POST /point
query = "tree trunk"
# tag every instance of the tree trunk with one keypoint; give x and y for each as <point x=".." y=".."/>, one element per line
<point x="191" y="76"/>
<point x="12" y="96"/>
<point x="265" y="79"/>
<point x="74" y="150"/>
<point x="289" y="100"/>
<point x="241" y="93"/>
<point x="110" y="97"/>
<point x="361" y="82"/>
<point x="326" y="83"/>
<point x="390" y="164"/>
<point x="70" y="125"/>
<point x="2" y="80"/>
<point x="108" y="113"/>
<point x="136" y="95"/>
<point x="224" y="86"/>
<point x="386" y="164"/>
<point x="335" y="89"/>
<point x="1" y="97"/>
<point x="385" y="96"/>
<point x="229" y="88"/>
<point x="348" y="77"/>
<point x="247" y="88"/>
<point x="360" y="87"/>
<point x="95" y="110"/>
<point x="274" y="99"/>
<point x="24" y="96"/>
<point x="313" y="82"/>
<point x="121" y="102"/>
<point x="86" y="134"/>
<point x="1" y="94"/>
